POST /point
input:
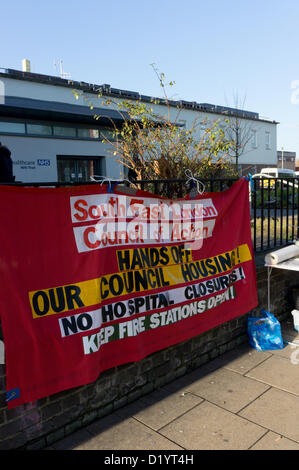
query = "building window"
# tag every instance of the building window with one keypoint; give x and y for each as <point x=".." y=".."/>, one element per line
<point x="39" y="129"/>
<point x="268" y="141"/>
<point x="64" y="131"/>
<point x="253" y="139"/>
<point x="49" y="129"/>
<point x="88" y="133"/>
<point x="12" y="127"/>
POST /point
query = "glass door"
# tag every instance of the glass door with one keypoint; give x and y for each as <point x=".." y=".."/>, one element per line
<point x="66" y="169"/>
<point x="78" y="169"/>
<point x="84" y="170"/>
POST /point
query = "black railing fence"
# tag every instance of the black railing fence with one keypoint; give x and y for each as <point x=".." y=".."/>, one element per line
<point x="273" y="202"/>
<point x="180" y="187"/>
<point x="170" y="188"/>
<point x="274" y="212"/>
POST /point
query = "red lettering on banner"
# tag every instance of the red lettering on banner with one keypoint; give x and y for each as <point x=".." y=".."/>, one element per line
<point x="87" y="241"/>
<point x="81" y="209"/>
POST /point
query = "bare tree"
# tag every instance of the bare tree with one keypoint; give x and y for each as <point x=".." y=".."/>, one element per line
<point x="238" y="130"/>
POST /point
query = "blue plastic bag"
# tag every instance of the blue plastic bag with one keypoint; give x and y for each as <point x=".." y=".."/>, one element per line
<point x="264" y="332"/>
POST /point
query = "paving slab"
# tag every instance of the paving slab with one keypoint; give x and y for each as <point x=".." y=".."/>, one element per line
<point x="245" y="399"/>
<point x="182" y="384"/>
<point x="273" y="441"/>
<point x="208" y="427"/>
<point x="226" y="388"/>
<point x="241" y="359"/>
<point x="278" y="372"/>
<point x="287" y="351"/>
<point x="288" y="331"/>
<point x="115" y="433"/>
<point x="160" y="408"/>
<point x="277" y="411"/>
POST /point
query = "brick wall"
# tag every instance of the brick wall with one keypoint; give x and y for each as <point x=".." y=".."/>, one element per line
<point x="39" y="424"/>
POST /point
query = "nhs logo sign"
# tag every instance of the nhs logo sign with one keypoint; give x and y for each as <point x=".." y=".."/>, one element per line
<point x="43" y="162"/>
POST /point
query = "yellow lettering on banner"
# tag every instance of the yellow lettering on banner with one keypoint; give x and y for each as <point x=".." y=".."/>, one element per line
<point x="92" y="292"/>
<point x="138" y="258"/>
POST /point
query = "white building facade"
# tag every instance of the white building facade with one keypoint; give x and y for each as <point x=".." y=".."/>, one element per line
<point x="54" y="137"/>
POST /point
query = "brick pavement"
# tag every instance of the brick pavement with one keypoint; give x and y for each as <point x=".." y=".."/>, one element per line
<point x="243" y="400"/>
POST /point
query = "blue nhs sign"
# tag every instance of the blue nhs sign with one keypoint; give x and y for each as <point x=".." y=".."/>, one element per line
<point x="43" y="162"/>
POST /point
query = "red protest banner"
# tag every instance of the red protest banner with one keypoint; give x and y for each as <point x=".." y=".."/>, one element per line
<point x="92" y="279"/>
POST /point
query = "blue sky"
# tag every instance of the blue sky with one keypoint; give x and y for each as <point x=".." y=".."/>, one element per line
<point x="212" y="50"/>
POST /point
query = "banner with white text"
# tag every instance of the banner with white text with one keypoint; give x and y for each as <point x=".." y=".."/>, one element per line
<point x="92" y="278"/>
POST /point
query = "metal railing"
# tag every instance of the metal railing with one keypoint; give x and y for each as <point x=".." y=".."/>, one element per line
<point x="273" y="203"/>
<point x="273" y="206"/>
<point x="170" y="188"/>
<point x="177" y="188"/>
<point x="274" y="212"/>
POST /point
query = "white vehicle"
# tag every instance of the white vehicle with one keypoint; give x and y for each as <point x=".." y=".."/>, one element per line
<point x="273" y="173"/>
<point x="278" y="173"/>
